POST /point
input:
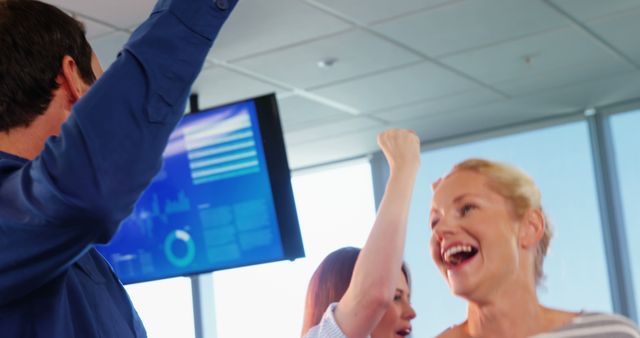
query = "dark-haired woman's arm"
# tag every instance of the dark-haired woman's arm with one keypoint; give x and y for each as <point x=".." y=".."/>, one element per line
<point x="378" y="268"/>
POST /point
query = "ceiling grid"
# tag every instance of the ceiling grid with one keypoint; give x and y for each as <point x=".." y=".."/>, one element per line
<point x="343" y="70"/>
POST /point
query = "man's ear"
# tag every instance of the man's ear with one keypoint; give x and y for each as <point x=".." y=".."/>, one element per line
<point x="532" y="228"/>
<point x="70" y="80"/>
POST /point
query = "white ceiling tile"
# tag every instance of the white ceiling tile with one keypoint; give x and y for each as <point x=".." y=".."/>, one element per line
<point x="463" y="122"/>
<point x="595" y="93"/>
<point x="422" y="81"/>
<point x="621" y="31"/>
<point x="108" y="46"/>
<point x="94" y="29"/>
<point x="553" y="102"/>
<point x="258" y="25"/>
<point x="366" y="11"/>
<point x="539" y="61"/>
<point x="216" y="86"/>
<point x="573" y="98"/>
<point x="589" y="9"/>
<point x="123" y="14"/>
<point x="336" y="148"/>
<point x="298" y="112"/>
<point x="439" y="106"/>
<point x="356" y="53"/>
<point x="333" y="129"/>
<point x="473" y="119"/>
<point x="471" y="24"/>
<point x="490" y="116"/>
<point x="574" y="74"/>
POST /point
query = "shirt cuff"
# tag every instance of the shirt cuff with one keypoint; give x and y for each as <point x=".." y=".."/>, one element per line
<point x="201" y="16"/>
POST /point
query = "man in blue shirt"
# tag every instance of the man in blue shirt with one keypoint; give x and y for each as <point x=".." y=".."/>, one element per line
<point x="75" y="156"/>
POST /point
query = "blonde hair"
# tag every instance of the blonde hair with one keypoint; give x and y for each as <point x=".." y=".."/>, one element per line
<point x="520" y="189"/>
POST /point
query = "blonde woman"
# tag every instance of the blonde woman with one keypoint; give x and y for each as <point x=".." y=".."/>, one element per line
<point x="489" y="239"/>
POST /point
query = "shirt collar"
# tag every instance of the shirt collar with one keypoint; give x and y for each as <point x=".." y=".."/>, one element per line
<point x="4" y="155"/>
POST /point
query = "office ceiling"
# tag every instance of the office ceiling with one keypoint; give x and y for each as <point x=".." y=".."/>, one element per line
<point x="344" y="70"/>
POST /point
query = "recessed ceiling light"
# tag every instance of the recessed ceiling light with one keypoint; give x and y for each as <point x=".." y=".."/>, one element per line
<point x="327" y="62"/>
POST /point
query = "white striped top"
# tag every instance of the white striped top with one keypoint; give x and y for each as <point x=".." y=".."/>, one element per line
<point x="595" y="325"/>
<point x="327" y="328"/>
<point x="588" y="324"/>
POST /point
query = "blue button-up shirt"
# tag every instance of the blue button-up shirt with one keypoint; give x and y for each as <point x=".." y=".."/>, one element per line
<point x="53" y="209"/>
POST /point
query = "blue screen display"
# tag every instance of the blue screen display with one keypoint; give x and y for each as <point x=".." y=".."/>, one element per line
<point x="210" y="207"/>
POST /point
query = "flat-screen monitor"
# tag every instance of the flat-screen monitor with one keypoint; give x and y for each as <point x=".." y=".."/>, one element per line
<point x="223" y="199"/>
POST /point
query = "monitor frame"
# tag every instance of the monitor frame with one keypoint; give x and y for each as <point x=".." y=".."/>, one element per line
<point x="279" y="176"/>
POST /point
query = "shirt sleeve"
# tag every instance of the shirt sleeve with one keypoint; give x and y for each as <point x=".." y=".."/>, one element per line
<point x="327" y="328"/>
<point x="87" y="180"/>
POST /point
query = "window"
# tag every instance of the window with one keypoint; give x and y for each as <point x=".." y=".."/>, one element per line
<point x="626" y="142"/>
<point x="335" y="208"/>
<point x="559" y="160"/>
<point x="165" y="307"/>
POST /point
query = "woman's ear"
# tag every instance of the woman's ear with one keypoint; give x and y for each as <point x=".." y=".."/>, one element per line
<point x="70" y="80"/>
<point x="532" y="228"/>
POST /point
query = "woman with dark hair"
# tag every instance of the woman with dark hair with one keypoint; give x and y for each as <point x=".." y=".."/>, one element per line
<point x="365" y="293"/>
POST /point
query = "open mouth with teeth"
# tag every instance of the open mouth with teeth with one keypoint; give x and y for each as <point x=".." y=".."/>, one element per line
<point x="403" y="332"/>
<point x="457" y="255"/>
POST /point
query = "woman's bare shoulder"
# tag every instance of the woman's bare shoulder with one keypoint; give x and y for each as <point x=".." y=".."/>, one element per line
<point x="558" y="318"/>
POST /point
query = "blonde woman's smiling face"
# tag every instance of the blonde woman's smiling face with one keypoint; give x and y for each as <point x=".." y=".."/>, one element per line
<point x="474" y="235"/>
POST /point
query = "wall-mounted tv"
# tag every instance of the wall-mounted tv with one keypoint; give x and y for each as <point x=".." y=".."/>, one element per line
<point x="223" y="199"/>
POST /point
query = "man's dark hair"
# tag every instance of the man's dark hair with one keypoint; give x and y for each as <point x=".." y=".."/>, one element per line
<point x="34" y="37"/>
